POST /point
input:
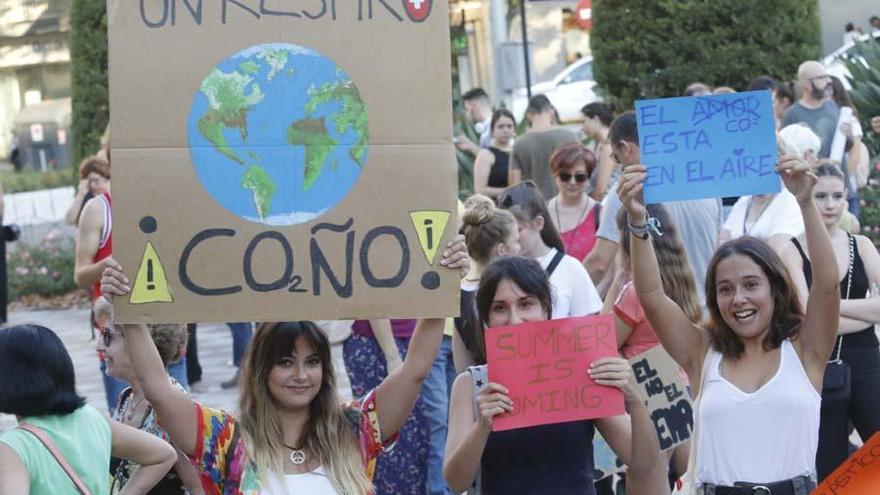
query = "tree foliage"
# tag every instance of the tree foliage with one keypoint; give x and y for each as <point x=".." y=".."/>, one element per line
<point x="655" y="48"/>
<point x="88" y="67"/>
<point x="865" y="93"/>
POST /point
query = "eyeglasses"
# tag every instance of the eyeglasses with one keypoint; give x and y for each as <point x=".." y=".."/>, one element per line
<point x="579" y="178"/>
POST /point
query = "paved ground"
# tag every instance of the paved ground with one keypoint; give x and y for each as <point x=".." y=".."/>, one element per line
<point x="215" y="356"/>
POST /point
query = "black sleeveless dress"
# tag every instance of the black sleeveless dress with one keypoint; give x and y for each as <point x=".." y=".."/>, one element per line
<point x="498" y="174"/>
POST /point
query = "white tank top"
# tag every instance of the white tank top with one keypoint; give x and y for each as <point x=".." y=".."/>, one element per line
<point x="765" y="436"/>
<point x="312" y="483"/>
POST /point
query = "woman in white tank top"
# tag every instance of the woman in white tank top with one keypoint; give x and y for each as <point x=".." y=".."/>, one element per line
<point x="757" y="365"/>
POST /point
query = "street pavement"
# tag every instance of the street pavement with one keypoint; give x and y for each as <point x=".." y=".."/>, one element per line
<point x="215" y="356"/>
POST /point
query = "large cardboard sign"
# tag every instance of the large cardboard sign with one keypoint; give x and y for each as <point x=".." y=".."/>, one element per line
<point x="859" y="475"/>
<point x="665" y="393"/>
<point x="708" y="146"/>
<point x="544" y="366"/>
<point x="280" y="159"/>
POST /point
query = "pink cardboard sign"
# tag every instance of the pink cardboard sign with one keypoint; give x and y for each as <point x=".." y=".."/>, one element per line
<point x="544" y="366"/>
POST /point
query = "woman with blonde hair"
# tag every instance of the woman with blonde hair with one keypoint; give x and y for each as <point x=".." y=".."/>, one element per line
<point x="293" y="435"/>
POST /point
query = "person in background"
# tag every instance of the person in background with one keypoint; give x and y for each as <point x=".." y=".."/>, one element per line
<point x="855" y="152"/>
<point x="697" y="89"/>
<point x="598" y="117"/>
<point x="133" y="410"/>
<point x="39" y="387"/>
<point x="857" y="345"/>
<point x="573" y="212"/>
<point x="699" y="221"/>
<point x="756" y="366"/>
<point x="851" y="33"/>
<point x="783" y="99"/>
<point x="492" y="166"/>
<point x="723" y="90"/>
<point x="478" y="106"/>
<point x="875" y="23"/>
<point x="573" y="292"/>
<point x="94" y="175"/>
<point x="489" y="232"/>
<point x="530" y="159"/>
<point x="815" y="108"/>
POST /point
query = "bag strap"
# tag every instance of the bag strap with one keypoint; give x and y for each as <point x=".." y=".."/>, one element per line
<point x="480" y="378"/>
<point x="849" y="275"/>
<point x="554" y="262"/>
<point x="59" y="457"/>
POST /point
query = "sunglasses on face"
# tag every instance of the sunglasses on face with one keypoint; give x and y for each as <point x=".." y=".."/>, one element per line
<point x="579" y="178"/>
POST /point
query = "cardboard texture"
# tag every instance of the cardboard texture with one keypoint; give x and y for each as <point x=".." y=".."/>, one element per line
<point x="665" y="392"/>
<point x="282" y="160"/>
<point x="544" y="366"/>
<point x="708" y="146"/>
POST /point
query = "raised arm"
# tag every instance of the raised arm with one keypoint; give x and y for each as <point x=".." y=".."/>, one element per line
<point x="175" y="411"/>
<point x="397" y="394"/>
<point x="819" y="329"/>
<point x="603" y="172"/>
<point x="385" y="338"/>
<point x="154" y="456"/>
<point x="686" y="342"/>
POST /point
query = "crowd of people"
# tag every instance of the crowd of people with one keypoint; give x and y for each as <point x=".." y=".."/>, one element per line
<point x="768" y="305"/>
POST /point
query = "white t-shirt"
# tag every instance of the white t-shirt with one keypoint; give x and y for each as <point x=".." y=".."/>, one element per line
<point x="313" y="483"/>
<point x="781" y="216"/>
<point x="573" y="292"/>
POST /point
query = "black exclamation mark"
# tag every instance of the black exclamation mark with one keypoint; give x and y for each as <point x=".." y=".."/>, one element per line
<point x="150" y="284"/>
<point x="429" y="232"/>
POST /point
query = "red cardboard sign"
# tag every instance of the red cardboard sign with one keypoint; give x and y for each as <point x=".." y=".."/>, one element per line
<point x="544" y="366"/>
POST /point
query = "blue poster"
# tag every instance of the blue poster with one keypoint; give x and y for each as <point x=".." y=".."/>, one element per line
<point x="708" y="146"/>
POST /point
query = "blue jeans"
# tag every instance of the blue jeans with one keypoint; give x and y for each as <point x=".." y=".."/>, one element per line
<point x="113" y="386"/>
<point x="435" y="393"/>
<point x="241" y="337"/>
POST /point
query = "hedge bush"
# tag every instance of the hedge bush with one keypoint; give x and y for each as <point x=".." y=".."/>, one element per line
<point x="88" y="67"/>
<point x="655" y="48"/>
<point x="44" y="269"/>
<point x="15" y="182"/>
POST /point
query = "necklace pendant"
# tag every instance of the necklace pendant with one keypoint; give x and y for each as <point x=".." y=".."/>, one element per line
<point x="298" y="457"/>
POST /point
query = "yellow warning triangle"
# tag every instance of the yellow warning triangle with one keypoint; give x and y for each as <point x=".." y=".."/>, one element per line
<point x="430" y="225"/>
<point x="150" y="284"/>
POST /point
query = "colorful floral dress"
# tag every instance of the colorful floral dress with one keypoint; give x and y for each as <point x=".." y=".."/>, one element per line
<point x="221" y="456"/>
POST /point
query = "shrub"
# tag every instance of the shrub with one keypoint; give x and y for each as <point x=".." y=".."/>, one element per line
<point x="88" y="72"/>
<point x="656" y="48"/>
<point x="14" y="182"/>
<point x="44" y="269"/>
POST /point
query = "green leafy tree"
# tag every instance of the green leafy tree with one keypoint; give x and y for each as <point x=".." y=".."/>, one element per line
<point x="655" y="48"/>
<point x="88" y="61"/>
<point x="865" y="80"/>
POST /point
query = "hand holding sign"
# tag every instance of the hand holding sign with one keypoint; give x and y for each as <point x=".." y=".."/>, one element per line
<point x="707" y="146"/>
<point x="616" y="372"/>
<point x="630" y="189"/>
<point x="544" y="367"/>
<point x="492" y="401"/>
<point x="798" y="177"/>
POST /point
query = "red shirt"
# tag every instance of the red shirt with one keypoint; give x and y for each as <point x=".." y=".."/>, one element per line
<point x="105" y="245"/>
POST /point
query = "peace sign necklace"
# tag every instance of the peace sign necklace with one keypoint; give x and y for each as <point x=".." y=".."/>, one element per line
<point x="297" y="455"/>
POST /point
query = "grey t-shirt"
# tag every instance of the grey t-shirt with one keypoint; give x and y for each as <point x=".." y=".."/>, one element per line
<point x="698" y="222"/>
<point x="823" y="121"/>
<point x="531" y="155"/>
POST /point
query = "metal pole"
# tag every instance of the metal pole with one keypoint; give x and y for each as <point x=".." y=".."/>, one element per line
<point x="525" y="42"/>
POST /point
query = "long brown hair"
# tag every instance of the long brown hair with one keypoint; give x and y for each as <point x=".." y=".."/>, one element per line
<point x="527" y="203"/>
<point x="787" y="314"/>
<point x="328" y="432"/>
<point x="675" y="269"/>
